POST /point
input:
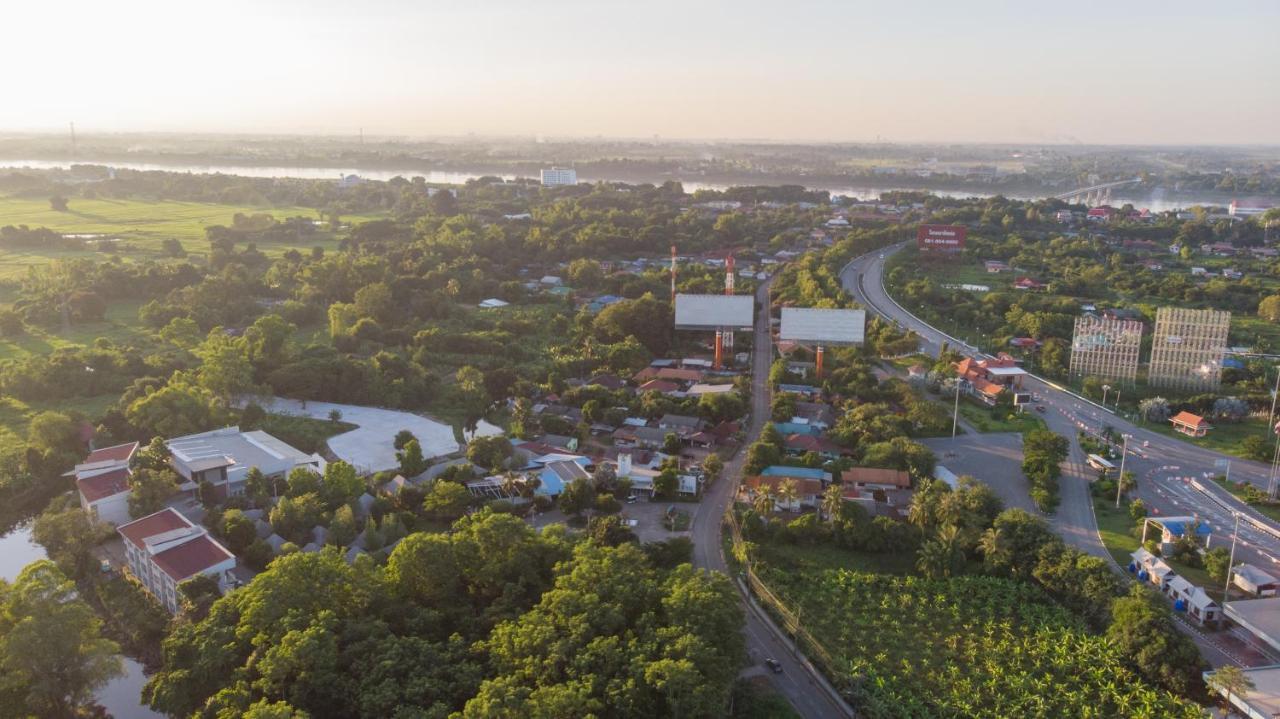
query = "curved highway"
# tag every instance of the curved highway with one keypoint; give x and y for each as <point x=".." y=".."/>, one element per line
<point x="1172" y="474"/>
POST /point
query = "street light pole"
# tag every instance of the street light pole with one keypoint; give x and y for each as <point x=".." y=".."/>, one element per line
<point x="1271" y="421"/>
<point x="1231" y="560"/>
<point x="1124" y="454"/>
<point x="1105" y="389"/>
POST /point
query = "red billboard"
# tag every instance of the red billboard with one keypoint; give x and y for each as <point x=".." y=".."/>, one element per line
<point x="944" y="238"/>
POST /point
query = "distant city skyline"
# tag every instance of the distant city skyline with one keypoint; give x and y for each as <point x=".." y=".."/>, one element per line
<point x="1142" y="73"/>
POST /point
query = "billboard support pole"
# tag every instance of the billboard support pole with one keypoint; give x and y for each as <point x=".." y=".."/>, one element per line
<point x="719" y="349"/>
<point x="819" y="361"/>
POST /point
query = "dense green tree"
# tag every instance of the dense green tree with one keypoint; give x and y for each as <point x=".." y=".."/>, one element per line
<point x="341" y="484"/>
<point x="446" y="500"/>
<point x="69" y="536"/>
<point x="149" y="489"/>
<point x="412" y="463"/>
<point x="1141" y="626"/>
<point x="489" y="452"/>
<point x="51" y="649"/>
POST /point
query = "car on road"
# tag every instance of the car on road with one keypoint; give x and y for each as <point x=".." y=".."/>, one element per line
<point x="773" y="665"/>
<point x="1040" y="408"/>
<point x="632" y="499"/>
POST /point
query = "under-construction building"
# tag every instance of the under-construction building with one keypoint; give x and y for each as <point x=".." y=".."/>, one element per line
<point x="1187" y="349"/>
<point x="1106" y="348"/>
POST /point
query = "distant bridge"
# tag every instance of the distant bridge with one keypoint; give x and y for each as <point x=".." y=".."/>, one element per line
<point x="1098" y="189"/>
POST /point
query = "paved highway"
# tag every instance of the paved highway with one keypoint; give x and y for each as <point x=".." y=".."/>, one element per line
<point x="1163" y="465"/>
<point x="799" y="682"/>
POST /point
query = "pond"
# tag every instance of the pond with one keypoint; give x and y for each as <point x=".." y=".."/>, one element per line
<point x="120" y="696"/>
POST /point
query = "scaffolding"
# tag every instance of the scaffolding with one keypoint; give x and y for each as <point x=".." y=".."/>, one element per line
<point x="1187" y="349"/>
<point x="1106" y="348"/>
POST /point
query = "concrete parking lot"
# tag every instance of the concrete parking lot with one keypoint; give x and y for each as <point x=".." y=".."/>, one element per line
<point x="369" y="447"/>
<point x="995" y="459"/>
<point x="648" y="516"/>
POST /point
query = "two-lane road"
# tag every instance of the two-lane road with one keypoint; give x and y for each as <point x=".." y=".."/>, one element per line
<point x="798" y="682"/>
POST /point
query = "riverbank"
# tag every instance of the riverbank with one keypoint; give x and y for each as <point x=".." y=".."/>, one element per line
<point x="1156" y="199"/>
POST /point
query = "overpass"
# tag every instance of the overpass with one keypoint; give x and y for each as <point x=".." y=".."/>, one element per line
<point x="1101" y="187"/>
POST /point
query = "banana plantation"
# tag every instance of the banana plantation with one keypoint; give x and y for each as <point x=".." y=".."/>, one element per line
<point x="966" y="646"/>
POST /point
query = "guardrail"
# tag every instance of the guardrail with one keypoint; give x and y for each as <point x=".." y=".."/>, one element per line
<point x="1245" y="515"/>
<point x="806" y="645"/>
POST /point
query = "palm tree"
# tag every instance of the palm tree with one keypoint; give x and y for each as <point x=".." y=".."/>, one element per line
<point x="1230" y="680"/>
<point x="832" y="502"/>
<point x="921" y="512"/>
<point x="995" y="547"/>
<point x="764" y="502"/>
<point x="788" y="493"/>
<point x="933" y="561"/>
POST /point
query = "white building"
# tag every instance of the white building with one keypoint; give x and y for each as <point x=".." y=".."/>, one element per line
<point x="1247" y="208"/>
<point x="165" y="549"/>
<point x="102" y="481"/>
<point x="557" y="176"/>
<point x="223" y="457"/>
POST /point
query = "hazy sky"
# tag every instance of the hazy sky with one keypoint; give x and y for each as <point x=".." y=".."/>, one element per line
<point x="1117" y="71"/>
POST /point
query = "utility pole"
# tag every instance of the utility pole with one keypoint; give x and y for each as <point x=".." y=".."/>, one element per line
<point x="955" y="413"/>
<point x="1271" y="420"/>
<point x="1231" y="560"/>
<point x="1124" y="454"/>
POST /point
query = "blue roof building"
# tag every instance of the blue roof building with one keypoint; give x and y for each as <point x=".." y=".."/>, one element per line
<point x="780" y="470"/>
<point x="790" y="428"/>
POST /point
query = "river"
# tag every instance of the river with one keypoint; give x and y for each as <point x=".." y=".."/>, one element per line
<point x="121" y="696"/>
<point x="1158" y="200"/>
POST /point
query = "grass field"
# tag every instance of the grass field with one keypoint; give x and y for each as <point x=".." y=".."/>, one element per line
<point x="1271" y="510"/>
<point x="120" y="326"/>
<point x="1225" y="437"/>
<point x="15" y="415"/>
<point x="1114" y="525"/>
<point x="139" y="225"/>
<point x="980" y="417"/>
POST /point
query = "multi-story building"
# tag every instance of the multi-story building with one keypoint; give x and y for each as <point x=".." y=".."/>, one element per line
<point x="102" y="481"/>
<point x="222" y="458"/>
<point x="165" y="549"/>
<point x="559" y="176"/>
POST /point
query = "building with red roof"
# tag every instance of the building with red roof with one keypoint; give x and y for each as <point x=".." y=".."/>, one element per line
<point x="165" y="549"/>
<point x="1190" y="424"/>
<point x="804" y="443"/>
<point x="102" y="481"/>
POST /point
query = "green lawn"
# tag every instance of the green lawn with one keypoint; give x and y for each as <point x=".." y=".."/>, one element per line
<point x="15" y="415"/>
<point x="139" y="225"/>
<point x="825" y="557"/>
<point x="1271" y="510"/>
<point x="980" y="417"/>
<point x="1225" y="437"/>
<point x="1114" y="525"/>
<point x="304" y="433"/>
<point x="121" y="326"/>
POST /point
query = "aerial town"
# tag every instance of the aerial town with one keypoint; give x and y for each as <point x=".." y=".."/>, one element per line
<point x="413" y="361"/>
